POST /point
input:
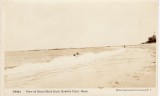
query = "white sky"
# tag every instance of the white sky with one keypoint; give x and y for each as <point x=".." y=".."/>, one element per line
<point x="40" y="24"/>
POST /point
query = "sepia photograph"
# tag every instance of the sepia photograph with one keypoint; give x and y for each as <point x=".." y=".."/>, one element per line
<point x="80" y="44"/>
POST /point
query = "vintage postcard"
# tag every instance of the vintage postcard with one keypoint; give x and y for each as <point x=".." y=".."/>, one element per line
<point x="79" y="47"/>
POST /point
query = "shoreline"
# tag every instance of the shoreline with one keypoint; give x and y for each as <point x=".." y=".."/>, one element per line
<point x="136" y="67"/>
<point x="14" y="58"/>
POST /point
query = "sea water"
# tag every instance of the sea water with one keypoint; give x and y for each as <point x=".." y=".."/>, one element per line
<point x="59" y="63"/>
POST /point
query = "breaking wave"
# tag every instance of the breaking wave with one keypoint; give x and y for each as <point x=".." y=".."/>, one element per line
<point x="63" y="63"/>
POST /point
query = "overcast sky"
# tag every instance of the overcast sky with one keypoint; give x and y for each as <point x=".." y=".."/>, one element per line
<point x="42" y="24"/>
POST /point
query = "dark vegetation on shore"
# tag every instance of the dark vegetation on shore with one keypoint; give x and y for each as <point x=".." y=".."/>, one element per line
<point x="151" y="40"/>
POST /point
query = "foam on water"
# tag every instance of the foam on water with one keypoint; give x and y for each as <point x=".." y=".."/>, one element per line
<point x="63" y="62"/>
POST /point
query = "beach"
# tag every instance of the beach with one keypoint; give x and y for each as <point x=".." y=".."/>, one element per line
<point x="95" y="67"/>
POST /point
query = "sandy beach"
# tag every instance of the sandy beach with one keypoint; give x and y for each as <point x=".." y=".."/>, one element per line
<point x="101" y="67"/>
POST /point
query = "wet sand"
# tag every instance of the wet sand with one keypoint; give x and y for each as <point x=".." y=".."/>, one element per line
<point x="135" y="67"/>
